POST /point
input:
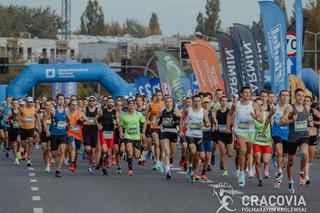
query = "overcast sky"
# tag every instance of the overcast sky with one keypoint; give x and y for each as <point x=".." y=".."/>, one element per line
<point x="175" y="16"/>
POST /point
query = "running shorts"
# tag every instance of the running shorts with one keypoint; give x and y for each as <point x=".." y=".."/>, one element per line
<point x="292" y="146"/>
<point x="13" y="134"/>
<point x="90" y="140"/>
<point x="26" y="133"/>
<point x="196" y="141"/>
<point x="107" y="137"/>
<point x="313" y="140"/>
<point x="171" y="136"/>
<point x="261" y="149"/>
<point x="136" y="143"/>
<point x="225" y="138"/>
<point x="277" y="139"/>
<point x="57" y="140"/>
<point x="206" y="146"/>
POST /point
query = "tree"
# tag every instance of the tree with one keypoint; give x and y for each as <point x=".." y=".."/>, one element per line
<point x="154" y="26"/>
<point x="113" y="29"/>
<point x="92" y="19"/>
<point x="210" y="23"/>
<point x="134" y="28"/>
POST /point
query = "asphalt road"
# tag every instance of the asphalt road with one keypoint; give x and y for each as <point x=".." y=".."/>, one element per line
<point x="30" y="189"/>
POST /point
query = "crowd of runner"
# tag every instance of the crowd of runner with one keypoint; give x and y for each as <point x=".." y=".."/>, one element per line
<point x="254" y="130"/>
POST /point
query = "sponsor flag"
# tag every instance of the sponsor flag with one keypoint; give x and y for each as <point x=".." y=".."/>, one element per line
<point x="173" y="72"/>
<point x="250" y="58"/>
<point x="147" y="86"/>
<point x="259" y="39"/>
<point x="165" y="87"/>
<point x="299" y="36"/>
<point x="274" y="23"/>
<point x="229" y="67"/>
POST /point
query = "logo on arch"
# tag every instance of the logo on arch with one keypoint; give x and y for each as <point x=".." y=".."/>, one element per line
<point x="50" y="73"/>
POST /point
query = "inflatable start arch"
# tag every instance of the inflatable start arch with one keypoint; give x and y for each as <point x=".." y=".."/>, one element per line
<point x="49" y="73"/>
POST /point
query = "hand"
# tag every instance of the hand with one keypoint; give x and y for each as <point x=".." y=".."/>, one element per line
<point x="253" y="115"/>
<point x="294" y="117"/>
<point x="215" y="127"/>
<point x="99" y="126"/>
<point x="114" y="122"/>
<point x="272" y="109"/>
<point x="229" y="131"/>
<point x="143" y="136"/>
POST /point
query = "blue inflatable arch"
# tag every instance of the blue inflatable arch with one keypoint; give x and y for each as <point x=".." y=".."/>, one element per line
<point x="49" y="73"/>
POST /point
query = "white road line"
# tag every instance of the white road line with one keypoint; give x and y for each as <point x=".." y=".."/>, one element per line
<point x="33" y="180"/>
<point x="36" y="198"/>
<point x="37" y="210"/>
<point x="32" y="174"/>
<point x="206" y="181"/>
<point x="235" y="192"/>
<point x="175" y="169"/>
<point x="34" y="188"/>
<point x="182" y="172"/>
<point x="30" y="168"/>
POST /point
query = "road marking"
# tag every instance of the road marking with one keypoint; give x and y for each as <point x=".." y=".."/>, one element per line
<point x="206" y="181"/>
<point x="32" y="174"/>
<point x="37" y="210"/>
<point x="235" y="192"/>
<point x="30" y="168"/>
<point x="182" y="172"/>
<point x="34" y="188"/>
<point x="36" y="198"/>
<point x="33" y="180"/>
<point x="175" y="169"/>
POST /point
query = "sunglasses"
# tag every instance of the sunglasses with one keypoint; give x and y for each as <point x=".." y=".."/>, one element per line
<point x="92" y="101"/>
<point x="105" y="100"/>
<point x="119" y="105"/>
<point x="74" y="104"/>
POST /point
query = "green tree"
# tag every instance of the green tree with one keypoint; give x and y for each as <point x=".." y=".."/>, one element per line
<point x="92" y="19"/>
<point x="113" y="29"/>
<point x="134" y="28"/>
<point x="154" y="26"/>
<point x="210" y="23"/>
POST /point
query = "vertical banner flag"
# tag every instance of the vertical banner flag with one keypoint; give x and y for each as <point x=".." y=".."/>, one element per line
<point x="274" y="23"/>
<point x="250" y="58"/>
<point x="69" y="88"/>
<point x="173" y="72"/>
<point x="259" y="39"/>
<point x="203" y="63"/>
<point x="299" y="36"/>
<point x="237" y="56"/>
<point x="147" y="86"/>
<point x="56" y="89"/>
<point x="165" y="87"/>
<point x="231" y="77"/>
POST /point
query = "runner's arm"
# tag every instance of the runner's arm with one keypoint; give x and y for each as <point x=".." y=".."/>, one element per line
<point x="7" y="118"/>
<point x="285" y="117"/>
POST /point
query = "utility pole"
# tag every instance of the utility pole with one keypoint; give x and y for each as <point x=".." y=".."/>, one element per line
<point x="66" y="19"/>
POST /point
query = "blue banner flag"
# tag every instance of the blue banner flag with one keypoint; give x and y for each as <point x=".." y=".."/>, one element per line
<point x="299" y="36"/>
<point x="275" y="29"/>
<point x="147" y="86"/>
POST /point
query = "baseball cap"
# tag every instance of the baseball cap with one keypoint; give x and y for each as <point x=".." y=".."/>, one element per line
<point x="92" y="97"/>
<point x="206" y="99"/>
<point x="29" y="99"/>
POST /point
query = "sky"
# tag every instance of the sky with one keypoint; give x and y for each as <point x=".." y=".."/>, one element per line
<point x="175" y="16"/>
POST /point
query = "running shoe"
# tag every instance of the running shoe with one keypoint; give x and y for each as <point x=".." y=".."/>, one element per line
<point x="181" y="163"/>
<point x="274" y="161"/>
<point x="196" y="177"/>
<point x="251" y="175"/>
<point x="104" y="172"/>
<point x="84" y="156"/>
<point x="99" y="165"/>
<point x="47" y="169"/>
<point x="213" y="160"/>
<point x="209" y="168"/>
<point x="225" y="173"/>
<point x="301" y="179"/>
<point x="149" y="155"/>
<point x="119" y="170"/>
<point x="266" y="175"/>
<point x="58" y="174"/>
<point x="291" y="189"/>
<point x="18" y="155"/>
<point x="66" y="162"/>
<point x="260" y="183"/>
<point x="141" y="162"/>
<point x="192" y="180"/>
<point x="90" y="171"/>
<point x="189" y="173"/>
<point x="204" y="177"/>
<point x="237" y="172"/>
<point x="279" y="176"/>
<point x="28" y="163"/>
<point x="72" y="167"/>
<point x="168" y="176"/>
<point x="307" y="180"/>
<point x="7" y="154"/>
<point x="36" y="147"/>
<point x="155" y="166"/>
<point x="185" y="167"/>
<point x="130" y="172"/>
<point x="113" y="160"/>
<point x="75" y="167"/>
<point x="242" y="180"/>
<point x="161" y="168"/>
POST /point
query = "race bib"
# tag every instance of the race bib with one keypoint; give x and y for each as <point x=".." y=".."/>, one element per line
<point x="91" y="120"/>
<point x="49" y="121"/>
<point x="154" y="119"/>
<point x="28" y="119"/>
<point x="222" y="128"/>
<point x="75" y="128"/>
<point x="15" y="124"/>
<point x="261" y="138"/>
<point x="194" y="125"/>
<point x="243" y="125"/>
<point x="133" y="131"/>
<point x="167" y="121"/>
<point x="107" y="134"/>
<point x="300" y="126"/>
<point x="61" y="125"/>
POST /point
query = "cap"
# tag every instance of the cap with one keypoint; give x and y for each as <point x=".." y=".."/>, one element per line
<point x="29" y="99"/>
<point x="236" y="96"/>
<point x="206" y="99"/>
<point x="92" y="97"/>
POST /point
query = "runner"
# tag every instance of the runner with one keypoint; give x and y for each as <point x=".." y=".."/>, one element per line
<point x="90" y="133"/>
<point x="76" y="119"/>
<point x="297" y="115"/>
<point x="153" y="112"/>
<point x="246" y="112"/>
<point x="280" y="134"/>
<point x="169" y="120"/>
<point x="106" y="125"/>
<point x="223" y="131"/>
<point x="12" y="118"/>
<point x="4" y="126"/>
<point x="28" y="123"/>
<point x="141" y="108"/>
<point x="313" y="132"/>
<point x="58" y="132"/>
<point x="130" y="132"/>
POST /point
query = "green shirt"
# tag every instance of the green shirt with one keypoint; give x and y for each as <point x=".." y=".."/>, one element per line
<point x="260" y="139"/>
<point x="131" y="125"/>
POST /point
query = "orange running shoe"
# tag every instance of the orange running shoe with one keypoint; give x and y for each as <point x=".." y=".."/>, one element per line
<point x="204" y="177"/>
<point x="72" y="167"/>
<point x="130" y="172"/>
<point x="196" y="177"/>
<point x="114" y="160"/>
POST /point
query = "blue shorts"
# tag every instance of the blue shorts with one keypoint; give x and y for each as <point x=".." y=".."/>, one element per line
<point x="72" y="139"/>
<point x="206" y="146"/>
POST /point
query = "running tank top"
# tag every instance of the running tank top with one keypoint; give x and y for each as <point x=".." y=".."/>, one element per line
<point x="299" y="128"/>
<point x="222" y="121"/>
<point x="28" y="118"/>
<point x="75" y="129"/>
<point x="59" y="122"/>
<point x="154" y="110"/>
<point x="91" y="127"/>
<point x="6" y="109"/>
<point x="14" y="118"/>
<point x="48" y="120"/>
<point x="169" y="121"/>
<point x="107" y="119"/>
<point x="207" y="131"/>
<point x="262" y="139"/>
<point x="277" y="130"/>
<point x="193" y="122"/>
<point x="244" y="121"/>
